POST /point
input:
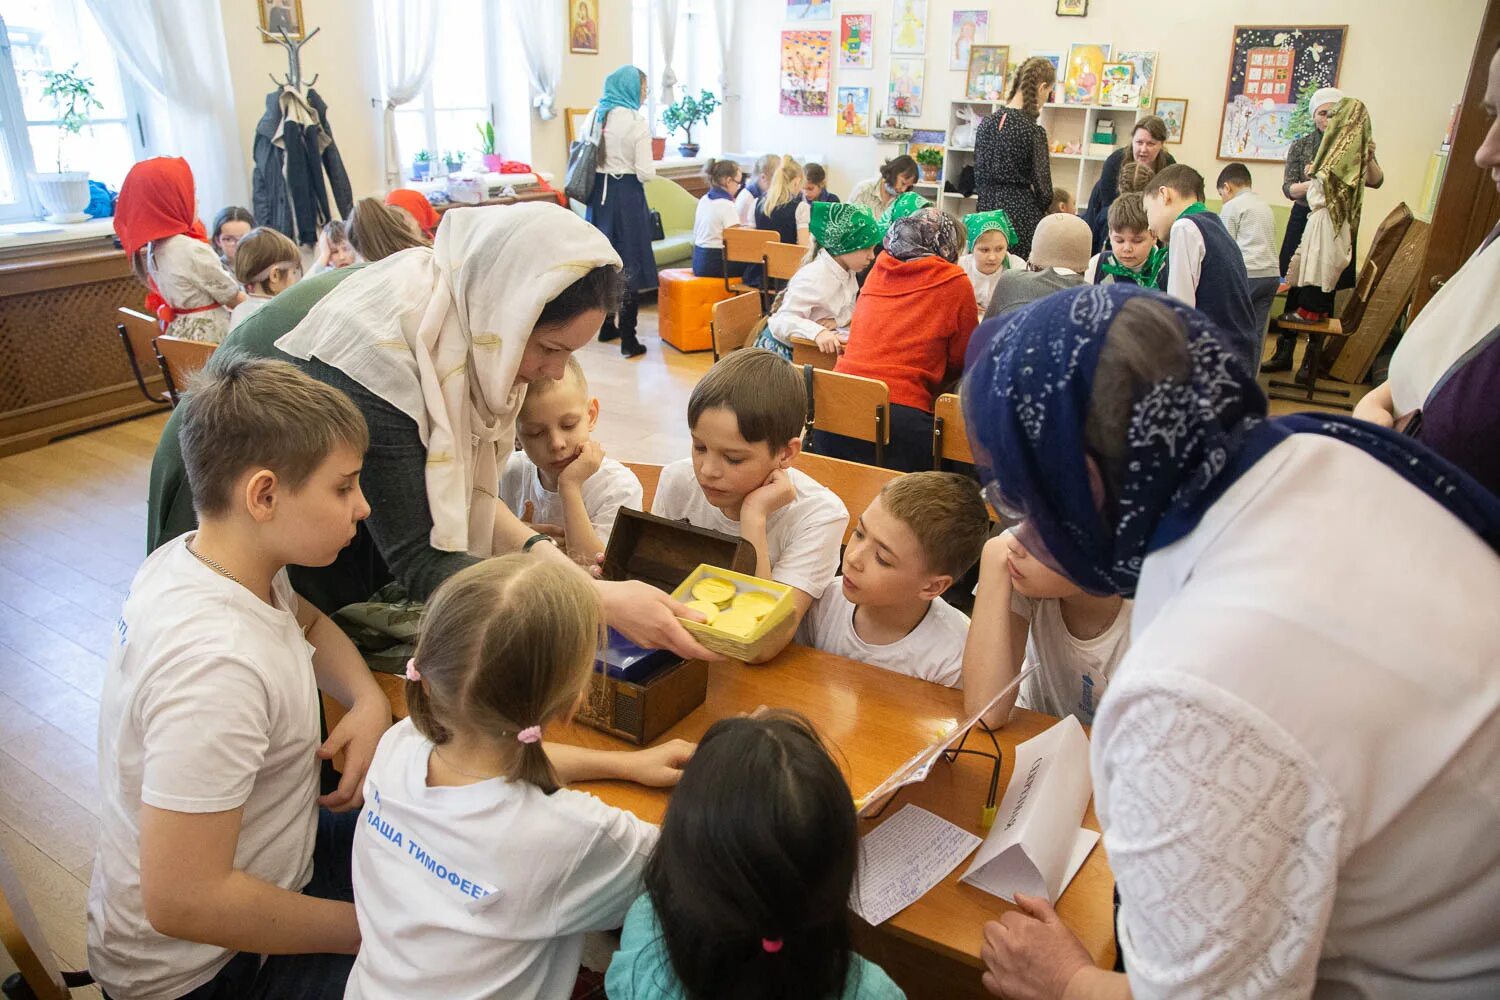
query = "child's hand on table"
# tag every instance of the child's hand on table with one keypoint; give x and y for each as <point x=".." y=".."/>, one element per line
<point x="590" y="457"/>
<point x="661" y="766"/>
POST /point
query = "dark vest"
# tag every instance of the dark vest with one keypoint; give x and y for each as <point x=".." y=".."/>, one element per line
<point x="783" y="220"/>
<point x="1224" y="288"/>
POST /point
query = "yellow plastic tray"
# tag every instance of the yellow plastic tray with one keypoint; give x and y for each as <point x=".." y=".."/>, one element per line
<point x="771" y="632"/>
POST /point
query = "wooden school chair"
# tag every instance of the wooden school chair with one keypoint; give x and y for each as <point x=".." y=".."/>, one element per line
<point x="734" y="320"/>
<point x="782" y="261"/>
<point x="178" y="359"/>
<point x="950" y="439"/>
<point x="850" y="405"/>
<point x="137" y="331"/>
<point x="744" y="246"/>
<point x="649" y="475"/>
<point x="854" y="483"/>
<point x="21" y="933"/>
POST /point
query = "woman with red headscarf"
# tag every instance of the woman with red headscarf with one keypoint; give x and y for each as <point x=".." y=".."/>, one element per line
<point x="418" y="207"/>
<point x="157" y="221"/>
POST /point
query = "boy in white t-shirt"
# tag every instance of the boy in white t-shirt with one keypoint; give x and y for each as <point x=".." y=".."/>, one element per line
<point x="561" y="475"/>
<point x="746" y="418"/>
<point x="212" y="851"/>
<point x="1074" y="639"/>
<point x="923" y="532"/>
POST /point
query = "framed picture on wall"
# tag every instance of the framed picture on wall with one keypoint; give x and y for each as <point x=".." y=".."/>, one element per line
<point x="909" y="27"/>
<point x="1273" y="70"/>
<point x="583" y="27"/>
<point x="857" y="41"/>
<point x="988" y="65"/>
<point x="1072" y="8"/>
<point x="1172" y="111"/>
<point x="277" y="16"/>
<point x="853" y="113"/>
<point x="1082" y="73"/>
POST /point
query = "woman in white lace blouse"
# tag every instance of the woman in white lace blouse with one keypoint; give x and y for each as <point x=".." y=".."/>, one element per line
<point x="1294" y="766"/>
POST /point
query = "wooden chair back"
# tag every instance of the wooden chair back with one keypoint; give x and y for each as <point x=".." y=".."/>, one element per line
<point x="21" y="933"/>
<point x="649" y="475"/>
<point x="746" y="246"/>
<point x="854" y="483"/>
<point x="806" y="352"/>
<point x="137" y="331"/>
<point x="733" y="322"/>
<point x="950" y="439"/>
<point x="850" y="405"/>
<point x="179" y="358"/>
<point x="783" y="260"/>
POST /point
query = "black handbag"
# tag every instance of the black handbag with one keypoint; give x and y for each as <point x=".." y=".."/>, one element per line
<point x="657" y="232"/>
<point x="583" y="165"/>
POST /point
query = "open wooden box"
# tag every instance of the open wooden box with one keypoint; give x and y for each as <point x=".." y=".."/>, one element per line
<point x="664" y="688"/>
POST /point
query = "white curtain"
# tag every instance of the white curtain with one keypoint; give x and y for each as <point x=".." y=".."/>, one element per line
<point x="408" y="37"/>
<point x="540" y="24"/>
<point x="666" y="30"/>
<point x="176" y="50"/>
<point x="724" y="13"/>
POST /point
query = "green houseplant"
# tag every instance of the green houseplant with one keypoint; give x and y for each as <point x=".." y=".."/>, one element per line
<point x="421" y="165"/>
<point x="492" y="159"/>
<point x="686" y="113"/>
<point x="65" y="194"/>
<point x="929" y="160"/>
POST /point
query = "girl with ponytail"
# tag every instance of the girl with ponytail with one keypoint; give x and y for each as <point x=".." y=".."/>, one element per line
<point x="475" y="872"/>
<point x="1012" y="158"/>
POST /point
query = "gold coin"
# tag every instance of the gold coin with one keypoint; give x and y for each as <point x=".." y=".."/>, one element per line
<point x="755" y="603"/>
<point x="714" y="590"/>
<point x="736" y="622"/>
<point x="708" y="609"/>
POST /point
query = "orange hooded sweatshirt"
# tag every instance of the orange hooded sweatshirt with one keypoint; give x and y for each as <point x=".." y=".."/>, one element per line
<point x="911" y="327"/>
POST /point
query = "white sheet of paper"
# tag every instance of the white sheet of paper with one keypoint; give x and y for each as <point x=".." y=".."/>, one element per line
<point x="1037" y="845"/>
<point x="903" y="858"/>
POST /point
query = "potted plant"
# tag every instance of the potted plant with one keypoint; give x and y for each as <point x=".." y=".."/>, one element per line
<point x="492" y="159"/>
<point x="454" y="161"/>
<point x="658" y="146"/>
<point x="421" y="165"/>
<point x="929" y="160"/>
<point x="65" y="194"/>
<point x="685" y="114"/>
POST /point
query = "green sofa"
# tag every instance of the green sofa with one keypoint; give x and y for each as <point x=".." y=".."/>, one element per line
<point x="677" y="209"/>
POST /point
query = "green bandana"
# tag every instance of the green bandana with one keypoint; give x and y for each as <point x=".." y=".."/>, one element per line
<point x="980" y="223"/>
<point x="841" y="227"/>
<point x="909" y="203"/>
<point x="1192" y="209"/>
<point x="1145" y="277"/>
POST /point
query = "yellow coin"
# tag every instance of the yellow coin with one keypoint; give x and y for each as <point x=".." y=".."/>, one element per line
<point x="736" y="623"/>
<point x="709" y="610"/>
<point x="755" y="603"/>
<point x="714" y="590"/>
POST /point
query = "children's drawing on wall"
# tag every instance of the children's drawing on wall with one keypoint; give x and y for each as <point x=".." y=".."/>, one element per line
<point x="852" y="111"/>
<point x="1084" y="70"/>
<point x="970" y="28"/>
<point x="909" y="28"/>
<point x="809" y="10"/>
<point x="1145" y="75"/>
<point x="583" y="27"/>
<point x="1271" y="71"/>
<point x="1117" y="85"/>
<point x="805" y="59"/>
<point x="905" y="94"/>
<point x="857" y="41"/>
<point x="987" y="67"/>
<point x="1173" y="112"/>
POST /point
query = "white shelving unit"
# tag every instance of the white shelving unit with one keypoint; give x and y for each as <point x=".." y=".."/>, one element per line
<point x="1064" y="123"/>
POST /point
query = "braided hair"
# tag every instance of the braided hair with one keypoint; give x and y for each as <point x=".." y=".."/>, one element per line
<point x="1029" y="79"/>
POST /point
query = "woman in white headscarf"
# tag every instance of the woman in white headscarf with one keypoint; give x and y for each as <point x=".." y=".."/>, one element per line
<point x="436" y="346"/>
<point x="1295" y="184"/>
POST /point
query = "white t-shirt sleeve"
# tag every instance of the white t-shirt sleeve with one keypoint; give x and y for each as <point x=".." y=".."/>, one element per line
<point x="606" y="874"/>
<point x="1223" y="836"/>
<point x="814" y="626"/>
<point x="612" y="487"/>
<point x="1184" y="262"/>
<point x="804" y="215"/>
<point x="744" y="207"/>
<point x="808" y="556"/>
<point x="674" y="491"/>
<point x="186" y="766"/>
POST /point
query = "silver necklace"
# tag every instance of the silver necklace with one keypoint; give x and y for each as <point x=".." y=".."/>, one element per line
<point x="458" y="770"/>
<point x="214" y="566"/>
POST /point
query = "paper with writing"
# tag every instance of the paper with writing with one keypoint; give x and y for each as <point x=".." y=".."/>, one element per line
<point x="1037" y="845"/>
<point x="903" y="858"/>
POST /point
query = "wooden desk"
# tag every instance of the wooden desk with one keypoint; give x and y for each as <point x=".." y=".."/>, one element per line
<point x="876" y="720"/>
<point x="807" y="352"/>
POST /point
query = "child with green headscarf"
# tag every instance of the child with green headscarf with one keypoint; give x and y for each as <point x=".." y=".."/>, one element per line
<point x="989" y="256"/>
<point x="818" y="302"/>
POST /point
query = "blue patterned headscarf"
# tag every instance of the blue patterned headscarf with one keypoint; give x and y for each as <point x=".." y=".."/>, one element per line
<point x="622" y="89"/>
<point x="1026" y="400"/>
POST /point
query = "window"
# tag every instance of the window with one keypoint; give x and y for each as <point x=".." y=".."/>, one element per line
<point x="695" y="60"/>
<point x="41" y="35"/>
<point x="468" y="87"/>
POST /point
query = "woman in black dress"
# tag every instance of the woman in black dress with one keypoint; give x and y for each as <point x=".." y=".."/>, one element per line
<point x="1012" y="165"/>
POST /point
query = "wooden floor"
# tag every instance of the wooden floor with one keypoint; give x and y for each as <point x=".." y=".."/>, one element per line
<point x="72" y="532"/>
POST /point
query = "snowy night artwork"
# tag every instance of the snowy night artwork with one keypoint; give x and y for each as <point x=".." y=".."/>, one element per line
<point x="1272" y="73"/>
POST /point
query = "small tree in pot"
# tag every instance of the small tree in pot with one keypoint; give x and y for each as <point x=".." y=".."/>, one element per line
<point x="685" y="114"/>
<point x="929" y="160"/>
<point x="65" y="194"/>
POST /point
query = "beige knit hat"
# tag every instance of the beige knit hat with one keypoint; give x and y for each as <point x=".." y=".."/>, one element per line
<point x="1062" y="240"/>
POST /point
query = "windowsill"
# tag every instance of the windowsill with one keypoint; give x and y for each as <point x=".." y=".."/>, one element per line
<point x="17" y="239"/>
<point x="681" y="162"/>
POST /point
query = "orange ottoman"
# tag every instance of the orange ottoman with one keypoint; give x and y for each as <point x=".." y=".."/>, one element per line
<point x="685" y="308"/>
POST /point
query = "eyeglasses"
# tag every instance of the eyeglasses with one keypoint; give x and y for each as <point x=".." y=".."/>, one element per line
<point x="1006" y="509"/>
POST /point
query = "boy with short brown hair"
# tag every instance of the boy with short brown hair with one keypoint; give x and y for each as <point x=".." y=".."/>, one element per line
<point x="209" y="736"/>
<point x="921" y="533"/>
<point x="1132" y="256"/>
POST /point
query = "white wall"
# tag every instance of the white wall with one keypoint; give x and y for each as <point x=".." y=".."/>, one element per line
<point x="582" y="83"/>
<point x="1407" y="63"/>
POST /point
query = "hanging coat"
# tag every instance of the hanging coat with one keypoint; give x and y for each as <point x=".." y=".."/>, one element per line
<point x="333" y="161"/>
<point x="270" y="201"/>
<point x="294" y="152"/>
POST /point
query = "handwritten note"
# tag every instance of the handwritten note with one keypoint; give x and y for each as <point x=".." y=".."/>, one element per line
<point x="904" y="857"/>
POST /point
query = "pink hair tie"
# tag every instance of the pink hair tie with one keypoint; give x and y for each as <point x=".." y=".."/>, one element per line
<point x="771" y="945"/>
<point x="531" y="734"/>
<point x="412" y="673"/>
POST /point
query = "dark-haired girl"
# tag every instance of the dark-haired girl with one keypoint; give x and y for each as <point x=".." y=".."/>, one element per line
<point x="748" y="888"/>
<point x="897" y="176"/>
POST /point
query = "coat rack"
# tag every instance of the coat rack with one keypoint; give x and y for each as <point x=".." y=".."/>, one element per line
<point x="293" y="57"/>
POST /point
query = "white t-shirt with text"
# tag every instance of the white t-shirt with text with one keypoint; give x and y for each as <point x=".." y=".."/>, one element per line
<point x="933" y="651"/>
